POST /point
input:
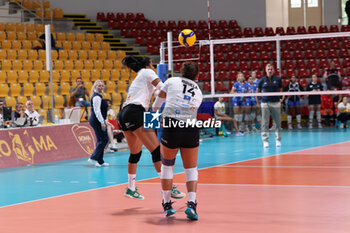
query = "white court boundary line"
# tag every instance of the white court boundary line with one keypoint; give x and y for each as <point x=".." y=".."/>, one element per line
<point x="302" y="167"/>
<point x="112" y="186"/>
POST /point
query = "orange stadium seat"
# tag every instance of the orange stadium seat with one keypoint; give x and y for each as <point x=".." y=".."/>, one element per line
<point x="65" y="76"/>
<point x="40" y="89"/>
<point x="4" y="89"/>
<point x="75" y="74"/>
<point x="79" y="65"/>
<point x="15" y="89"/>
<point x="105" y="74"/>
<point x="28" y="89"/>
<point x="65" y="88"/>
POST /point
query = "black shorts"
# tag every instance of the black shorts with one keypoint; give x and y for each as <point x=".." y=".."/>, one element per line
<point x="174" y="138"/>
<point x="131" y="117"/>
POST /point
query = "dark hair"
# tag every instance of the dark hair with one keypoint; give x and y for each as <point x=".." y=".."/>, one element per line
<point x="189" y="70"/>
<point x="136" y="63"/>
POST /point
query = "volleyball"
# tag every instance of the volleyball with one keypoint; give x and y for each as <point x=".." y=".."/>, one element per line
<point x="187" y="37"/>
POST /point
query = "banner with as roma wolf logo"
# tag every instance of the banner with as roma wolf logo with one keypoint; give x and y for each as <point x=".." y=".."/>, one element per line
<point x="42" y="144"/>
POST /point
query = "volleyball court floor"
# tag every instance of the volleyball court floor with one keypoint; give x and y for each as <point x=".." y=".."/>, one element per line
<point x="304" y="186"/>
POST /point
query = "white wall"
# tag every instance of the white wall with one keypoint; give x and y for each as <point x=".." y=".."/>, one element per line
<point x="248" y="13"/>
<point x="331" y="11"/>
<point x="276" y="13"/>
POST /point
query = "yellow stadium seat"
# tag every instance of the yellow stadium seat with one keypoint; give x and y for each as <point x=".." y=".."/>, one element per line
<point x="67" y="45"/>
<point x="88" y="85"/>
<point x="106" y="95"/>
<point x="75" y="74"/>
<point x="26" y="3"/>
<point x="61" y="36"/>
<point x="95" y="75"/>
<point x="11" y="101"/>
<point x="90" y="37"/>
<point x="115" y="75"/>
<point x="46" y="4"/>
<point x="55" y="76"/>
<point x="12" y="76"/>
<point x="33" y="76"/>
<point x="73" y="55"/>
<point x="117" y="64"/>
<point x="2" y="26"/>
<point x="22" y="54"/>
<point x="98" y="64"/>
<point x="112" y="55"/>
<point x="4" y="89"/>
<point x="6" y="65"/>
<point x="58" y="65"/>
<point x="10" y="27"/>
<point x="65" y="76"/>
<point x="77" y="45"/>
<point x="85" y="45"/>
<point x="95" y="45"/>
<point x="31" y="36"/>
<point x="40" y="28"/>
<point x="21" y="36"/>
<point x="46" y="102"/>
<point x="70" y="36"/>
<point x="23" y="76"/>
<point x="30" y="28"/>
<point x="108" y="64"/>
<point x="16" y="44"/>
<point x="2" y="36"/>
<point x="132" y="75"/>
<point x="116" y="98"/>
<point x="105" y="46"/>
<point x="122" y="85"/>
<point x="121" y="55"/>
<point x="93" y="55"/>
<point x="36" y="101"/>
<point x="22" y="99"/>
<point x="36" y="4"/>
<point x="79" y="65"/>
<point x="40" y="89"/>
<point x="63" y="54"/>
<point x="105" y="75"/>
<point x="99" y="37"/>
<point x="3" y="54"/>
<point x="58" y="13"/>
<point x="111" y="86"/>
<point x="6" y="44"/>
<point x="124" y="74"/>
<point x="28" y="89"/>
<point x="20" y="27"/>
<point x="3" y="76"/>
<point x="83" y="54"/>
<point x="59" y="101"/>
<point x="16" y="65"/>
<point x="42" y="54"/>
<point x="15" y="89"/>
<point x="88" y="65"/>
<point x="65" y="88"/>
<point x="26" y="44"/>
<point x="43" y="112"/>
<point x="11" y="35"/>
<point x="27" y="65"/>
<point x="80" y="36"/>
<point x="38" y="64"/>
<point x="54" y="54"/>
<point x="85" y="75"/>
<point x="68" y="65"/>
<point x="44" y="76"/>
<point x="48" y="13"/>
<point x="54" y="88"/>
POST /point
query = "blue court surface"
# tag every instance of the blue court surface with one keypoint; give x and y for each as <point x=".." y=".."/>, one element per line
<point x="24" y="184"/>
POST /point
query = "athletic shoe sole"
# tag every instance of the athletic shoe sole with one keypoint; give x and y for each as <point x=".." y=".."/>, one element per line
<point x="191" y="214"/>
<point x="131" y="197"/>
<point x="170" y="212"/>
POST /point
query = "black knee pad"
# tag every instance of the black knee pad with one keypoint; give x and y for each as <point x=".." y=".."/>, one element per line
<point x="156" y="155"/>
<point x="134" y="158"/>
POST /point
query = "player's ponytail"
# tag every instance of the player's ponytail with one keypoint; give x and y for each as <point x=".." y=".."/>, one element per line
<point x="136" y="63"/>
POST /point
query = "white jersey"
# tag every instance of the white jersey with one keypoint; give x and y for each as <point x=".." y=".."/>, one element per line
<point x="141" y="89"/>
<point x="219" y="108"/>
<point x="183" y="98"/>
<point x="32" y="117"/>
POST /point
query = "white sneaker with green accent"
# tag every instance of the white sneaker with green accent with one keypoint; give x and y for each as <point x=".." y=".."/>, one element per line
<point x="176" y="193"/>
<point x="133" y="194"/>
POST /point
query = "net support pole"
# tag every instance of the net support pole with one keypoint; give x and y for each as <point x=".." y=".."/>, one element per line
<point x="170" y="53"/>
<point x="278" y="54"/>
<point x="212" y="71"/>
<point x="162" y="53"/>
<point x="49" y="62"/>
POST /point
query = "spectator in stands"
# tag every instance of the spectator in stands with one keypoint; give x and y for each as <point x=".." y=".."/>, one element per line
<point x="343" y="111"/>
<point x="18" y="116"/>
<point x="314" y="101"/>
<point x="333" y="77"/>
<point x="112" y="146"/>
<point x="42" y="42"/>
<point x="270" y="105"/>
<point x="79" y="93"/>
<point x="237" y="102"/>
<point x="32" y="116"/>
<point x="220" y="114"/>
<point x="2" y="105"/>
<point x="347" y="10"/>
<point x="293" y="102"/>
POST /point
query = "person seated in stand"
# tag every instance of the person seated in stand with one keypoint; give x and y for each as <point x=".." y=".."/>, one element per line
<point x="112" y="146"/>
<point x="2" y="105"/>
<point x="333" y="77"/>
<point x="79" y="93"/>
<point x="42" y="42"/>
<point x="32" y="116"/>
<point x="18" y="116"/>
<point x="220" y="114"/>
<point x="343" y="112"/>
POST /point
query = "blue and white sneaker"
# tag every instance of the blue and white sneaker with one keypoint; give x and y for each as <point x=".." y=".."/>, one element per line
<point x="191" y="210"/>
<point x="239" y="134"/>
<point x="168" y="208"/>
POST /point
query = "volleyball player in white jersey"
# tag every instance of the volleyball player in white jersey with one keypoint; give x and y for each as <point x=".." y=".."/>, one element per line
<point x="182" y="98"/>
<point x="131" y="120"/>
